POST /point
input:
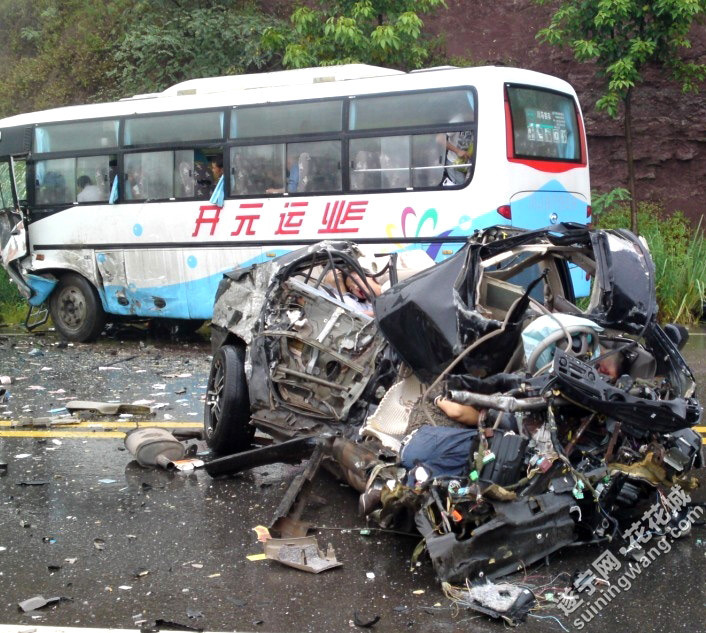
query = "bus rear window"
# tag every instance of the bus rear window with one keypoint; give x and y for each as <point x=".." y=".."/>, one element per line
<point x="544" y="124"/>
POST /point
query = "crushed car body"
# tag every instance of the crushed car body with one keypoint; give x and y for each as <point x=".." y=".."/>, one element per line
<point x="481" y="404"/>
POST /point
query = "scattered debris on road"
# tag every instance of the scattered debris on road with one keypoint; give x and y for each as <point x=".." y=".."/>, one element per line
<point x="505" y="601"/>
<point x="108" y="408"/>
<point x="301" y="553"/>
<point x="38" y="602"/>
<point x="154" y="447"/>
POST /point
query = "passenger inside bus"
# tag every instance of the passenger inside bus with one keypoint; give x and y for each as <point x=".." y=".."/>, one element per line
<point x="459" y="152"/>
<point x="196" y="173"/>
<point x="216" y="169"/>
<point x="52" y="189"/>
<point x="112" y="182"/>
<point x="87" y="191"/>
<point x="134" y="188"/>
<point x="203" y="178"/>
<point x="292" y="176"/>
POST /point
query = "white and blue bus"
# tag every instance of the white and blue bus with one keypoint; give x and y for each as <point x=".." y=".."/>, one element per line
<point x="120" y="209"/>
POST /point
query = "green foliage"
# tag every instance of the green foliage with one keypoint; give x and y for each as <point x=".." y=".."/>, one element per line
<point x="679" y="254"/>
<point x="207" y="39"/>
<point x="622" y="37"/>
<point x="12" y="305"/>
<point x="57" y="52"/>
<point x="8" y="291"/>
<point x="383" y="32"/>
<point x="601" y="202"/>
<point x="62" y="52"/>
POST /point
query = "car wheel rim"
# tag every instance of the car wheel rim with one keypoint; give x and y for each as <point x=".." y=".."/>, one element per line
<point x="215" y="397"/>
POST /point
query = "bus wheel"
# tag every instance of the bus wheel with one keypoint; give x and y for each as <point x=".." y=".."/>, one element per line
<point x="227" y="412"/>
<point x="76" y="309"/>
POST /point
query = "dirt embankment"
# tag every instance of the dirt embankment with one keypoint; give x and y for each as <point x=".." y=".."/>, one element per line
<point x="669" y="129"/>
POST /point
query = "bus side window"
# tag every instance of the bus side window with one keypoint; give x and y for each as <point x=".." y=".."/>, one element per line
<point x="94" y="178"/>
<point x="459" y="149"/>
<point x="257" y="169"/>
<point x="365" y="164"/>
<point x="386" y="161"/>
<point x="394" y="161"/>
<point x="54" y="181"/>
<point x="149" y="176"/>
<point x="428" y="159"/>
<point x="398" y="162"/>
<point x="365" y="172"/>
<point x="184" y="174"/>
<point x="203" y="178"/>
<point x="53" y="189"/>
<point x="193" y="176"/>
<point x="319" y="165"/>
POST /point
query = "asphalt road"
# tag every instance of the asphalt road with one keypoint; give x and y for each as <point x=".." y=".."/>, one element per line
<point x="125" y="546"/>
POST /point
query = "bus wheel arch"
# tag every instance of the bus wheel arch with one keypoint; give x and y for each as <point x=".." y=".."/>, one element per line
<point x="76" y="308"/>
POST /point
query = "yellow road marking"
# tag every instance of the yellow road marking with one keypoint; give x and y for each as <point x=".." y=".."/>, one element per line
<point x="85" y="429"/>
<point x="63" y="434"/>
<point x="23" y="628"/>
<point x="120" y="424"/>
<point x="67" y="430"/>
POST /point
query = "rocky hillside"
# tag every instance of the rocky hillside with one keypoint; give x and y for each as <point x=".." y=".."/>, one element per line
<point x="669" y="128"/>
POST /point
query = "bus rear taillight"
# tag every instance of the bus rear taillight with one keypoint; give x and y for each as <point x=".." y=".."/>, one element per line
<point x="589" y="212"/>
<point x="505" y="211"/>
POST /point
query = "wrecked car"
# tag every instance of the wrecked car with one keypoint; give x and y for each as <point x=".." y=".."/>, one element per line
<point x="482" y="404"/>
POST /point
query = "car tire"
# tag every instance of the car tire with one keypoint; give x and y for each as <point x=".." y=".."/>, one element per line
<point x="76" y="309"/>
<point x="227" y="411"/>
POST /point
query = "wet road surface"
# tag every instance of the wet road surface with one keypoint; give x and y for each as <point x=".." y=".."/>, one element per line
<point x="127" y="546"/>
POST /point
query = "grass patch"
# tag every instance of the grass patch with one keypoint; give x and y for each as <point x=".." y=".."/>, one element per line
<point x="679" y="254"/>
<point x="13" y="307"/>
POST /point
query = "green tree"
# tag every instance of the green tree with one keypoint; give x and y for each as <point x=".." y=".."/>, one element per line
<point x="63" y="52"/>
<point x="57" y="52"/>
<point x="623" y="37"/>
<point x="387" y="32"/>
<point x="172" y="41"/>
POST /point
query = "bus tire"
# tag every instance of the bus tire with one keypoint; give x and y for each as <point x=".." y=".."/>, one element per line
<point x="76" y="309"/>
<point x="226" y="417"/>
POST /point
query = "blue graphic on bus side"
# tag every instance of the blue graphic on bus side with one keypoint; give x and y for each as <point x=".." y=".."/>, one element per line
<point x="194" y="299"/>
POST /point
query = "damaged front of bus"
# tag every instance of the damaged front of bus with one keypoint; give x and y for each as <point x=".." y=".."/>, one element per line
<point x="483" y="405"/>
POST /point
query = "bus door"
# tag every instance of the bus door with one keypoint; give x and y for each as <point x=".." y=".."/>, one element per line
<point x="13" y="230"/>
